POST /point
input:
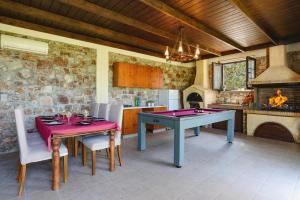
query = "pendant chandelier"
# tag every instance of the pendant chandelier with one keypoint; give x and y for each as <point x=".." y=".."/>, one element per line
<point x="179" y="53"/>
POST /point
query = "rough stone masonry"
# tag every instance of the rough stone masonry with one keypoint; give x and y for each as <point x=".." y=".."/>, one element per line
<point x="43" y="84"/>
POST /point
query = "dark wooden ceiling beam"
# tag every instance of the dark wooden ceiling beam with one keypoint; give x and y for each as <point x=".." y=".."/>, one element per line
<point x="45" y="29"/>
<point x="109" y="14"/>
<point x="168" y="10"/>
<point x="76" y="24"/>
<point x="250" y="48"/>
<point x="243" y="9"/>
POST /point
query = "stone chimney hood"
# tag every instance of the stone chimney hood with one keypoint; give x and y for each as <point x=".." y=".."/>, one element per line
<point x="278" y="72"/>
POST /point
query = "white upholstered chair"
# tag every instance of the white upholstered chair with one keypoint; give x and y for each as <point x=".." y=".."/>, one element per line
<point x="94" y="113"/>
<point x="99" y="142"/>
<point x="34" y="138"/>
<point x="104" y="110"/>
<point x="95" y="109"/>
<point x="33" y="152"/>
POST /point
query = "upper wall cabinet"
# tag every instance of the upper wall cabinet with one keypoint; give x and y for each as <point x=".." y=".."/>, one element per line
<point x="137" y="76"/>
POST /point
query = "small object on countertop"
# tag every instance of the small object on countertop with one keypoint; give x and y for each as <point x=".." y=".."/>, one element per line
<point x="150" y="103"/>
<point x="137" y="101"/>
<point x="249" y="98"/>
<point x="127" y="105"/>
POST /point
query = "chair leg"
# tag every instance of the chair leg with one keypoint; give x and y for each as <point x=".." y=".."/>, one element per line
<point x="119" y="150"/>
<point x="93" y="163"/>
<point x="66" y="170"/>
<point x="107" y="153"/>
<point x="75" y="148"/>
<point x="69" y="145"/>
<point x="83" y="148"/>
<point x="19" y="170"/>
<point x="22" y="179"/>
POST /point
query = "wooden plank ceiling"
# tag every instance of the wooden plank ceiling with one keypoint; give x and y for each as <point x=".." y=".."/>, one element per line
<point x="220" y="27"/>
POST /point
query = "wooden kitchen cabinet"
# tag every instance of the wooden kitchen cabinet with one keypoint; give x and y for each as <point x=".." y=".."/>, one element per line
<point x="238" y="126"/>
<point x="239" y="115"/>
<point x="136" y="76"/>
<point x="130" y="120"/>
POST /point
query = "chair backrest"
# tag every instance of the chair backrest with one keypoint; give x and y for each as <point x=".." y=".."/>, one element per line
<point x="21" y="132"/>
<point x="116" y="114"/>
<point x="104" y="111"/>
<point x="95" y="109"/>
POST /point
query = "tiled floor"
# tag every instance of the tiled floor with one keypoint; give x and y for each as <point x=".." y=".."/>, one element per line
<point x="250" y="168"/>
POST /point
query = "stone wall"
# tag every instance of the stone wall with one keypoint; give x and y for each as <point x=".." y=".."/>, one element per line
<point x="294" y="61"/>
<point x="64" y="79"/>
<point x="174" y="77"/>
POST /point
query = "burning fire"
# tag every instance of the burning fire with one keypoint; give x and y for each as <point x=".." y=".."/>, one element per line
<point x="278" y="100"/>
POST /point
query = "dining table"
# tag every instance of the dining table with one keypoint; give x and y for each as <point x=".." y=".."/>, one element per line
<point x="53" y="134"/>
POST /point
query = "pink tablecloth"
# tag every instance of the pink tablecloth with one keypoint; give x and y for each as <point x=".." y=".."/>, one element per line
<point x="47" y="131"/>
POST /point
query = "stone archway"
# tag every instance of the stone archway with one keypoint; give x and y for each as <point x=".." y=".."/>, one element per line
<point x="275" y="131"/>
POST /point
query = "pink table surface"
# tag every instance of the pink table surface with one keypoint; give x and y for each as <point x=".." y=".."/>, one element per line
<point x="47" y="131"/>
<point x="186" y="112"/>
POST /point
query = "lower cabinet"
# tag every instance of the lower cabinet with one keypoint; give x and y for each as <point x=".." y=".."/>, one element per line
<point x="238" y="126"/>
<point x="130" y="119"/>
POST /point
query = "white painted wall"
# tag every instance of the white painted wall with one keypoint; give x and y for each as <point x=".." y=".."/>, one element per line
<point x="291" y="123"/>
<point x="102" y="56"/>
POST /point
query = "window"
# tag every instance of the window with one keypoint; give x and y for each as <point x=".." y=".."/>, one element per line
<point x="234" y="75"/>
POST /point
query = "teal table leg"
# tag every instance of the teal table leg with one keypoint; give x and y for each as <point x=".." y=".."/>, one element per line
<point x="230" y="130"/>
<point x="178" y="146"/>
<point x="141" y="135"/>
<point x="197" y="130"/>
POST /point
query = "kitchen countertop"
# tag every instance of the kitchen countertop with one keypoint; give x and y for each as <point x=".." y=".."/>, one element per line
<point x="227" y="106"/>
<point x="141" y="107"/>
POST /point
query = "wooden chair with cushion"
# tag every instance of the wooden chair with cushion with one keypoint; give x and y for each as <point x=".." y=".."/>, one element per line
<point x="104" y="110"/>
<point x="33" y="152"/>
<point x="100" y="142"/>
<point x="73" y="142"/>
<point x="95" y="109"/>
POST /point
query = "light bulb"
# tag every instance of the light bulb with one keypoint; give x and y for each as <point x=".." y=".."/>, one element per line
<point x="197" y="52"/>
<point x="180" y="49"/>
<point x="196" y="56"/>
<point x="167" y="51"/>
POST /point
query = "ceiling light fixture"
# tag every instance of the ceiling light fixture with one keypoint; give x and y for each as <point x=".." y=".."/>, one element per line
<point x="179" y="53"/>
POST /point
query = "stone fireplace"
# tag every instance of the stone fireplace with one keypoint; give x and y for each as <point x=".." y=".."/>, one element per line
<point x="272" y="117"/>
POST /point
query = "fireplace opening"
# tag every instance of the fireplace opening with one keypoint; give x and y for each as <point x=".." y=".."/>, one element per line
<point x="275" y="131"/>
<point x="278" y="99"/>
<point x="195" y="100"/>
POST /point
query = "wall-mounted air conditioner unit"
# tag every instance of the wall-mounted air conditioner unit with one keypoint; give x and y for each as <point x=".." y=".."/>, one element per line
<point x="22" y="44"/>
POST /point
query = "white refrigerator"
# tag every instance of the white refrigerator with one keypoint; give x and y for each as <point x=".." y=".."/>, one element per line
<point x="170" y="98"/>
